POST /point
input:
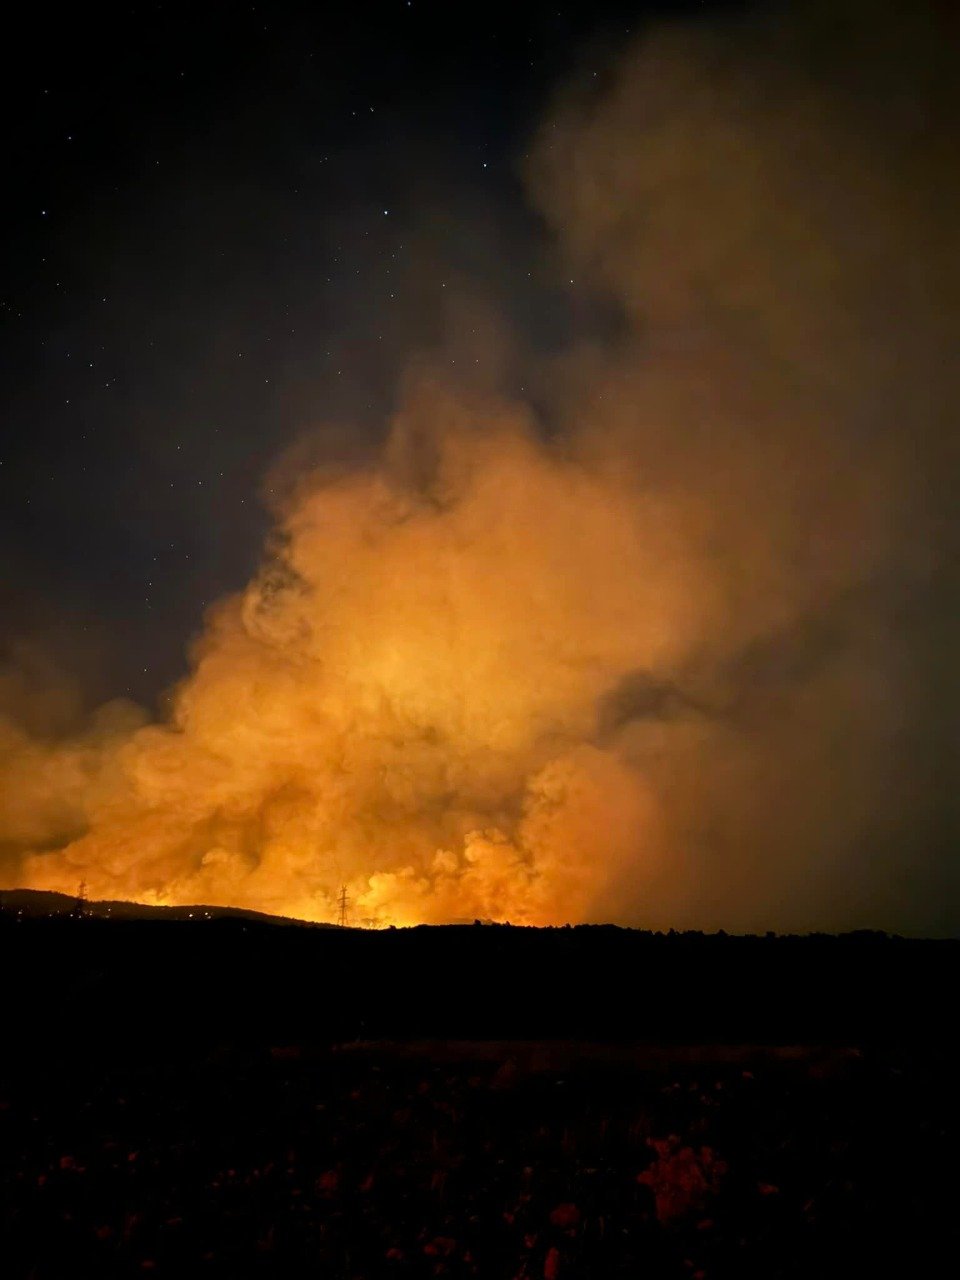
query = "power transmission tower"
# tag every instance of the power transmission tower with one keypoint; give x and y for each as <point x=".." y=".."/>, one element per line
<point x="80" y="906"/>
<point x="343" y="902"/>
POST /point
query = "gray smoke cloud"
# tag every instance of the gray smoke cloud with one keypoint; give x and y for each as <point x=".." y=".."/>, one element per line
<point x="773" y="203"/>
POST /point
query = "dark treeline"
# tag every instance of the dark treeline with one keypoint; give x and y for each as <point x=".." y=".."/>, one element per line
<point x="85" y="981"/>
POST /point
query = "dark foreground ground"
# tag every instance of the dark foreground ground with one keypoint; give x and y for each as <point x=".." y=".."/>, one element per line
<point x="494" y="1161"/>
<point x="156" y="1120"/>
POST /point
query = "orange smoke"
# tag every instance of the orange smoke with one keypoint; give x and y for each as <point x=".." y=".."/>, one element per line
<point x="677" y="660"/>
<point x="402" y="701"/>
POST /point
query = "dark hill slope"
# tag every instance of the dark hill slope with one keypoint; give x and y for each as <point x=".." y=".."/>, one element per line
<point x="74" y="982"/>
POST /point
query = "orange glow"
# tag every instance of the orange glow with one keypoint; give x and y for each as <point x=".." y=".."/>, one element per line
<point x="403" y="701"/>
<point x="670" y="654"/>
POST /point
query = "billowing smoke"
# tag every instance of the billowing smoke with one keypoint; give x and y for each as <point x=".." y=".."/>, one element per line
<point x="679" y="659"/>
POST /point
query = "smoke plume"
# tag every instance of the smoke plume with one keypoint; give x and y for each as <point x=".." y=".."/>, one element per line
<point x="672" y="649"/>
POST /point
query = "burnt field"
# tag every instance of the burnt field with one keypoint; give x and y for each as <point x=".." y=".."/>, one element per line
<point x="233" y="1099"/>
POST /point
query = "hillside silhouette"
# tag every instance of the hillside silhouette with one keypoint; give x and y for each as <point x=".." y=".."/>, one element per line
<point x="206" y="974"/>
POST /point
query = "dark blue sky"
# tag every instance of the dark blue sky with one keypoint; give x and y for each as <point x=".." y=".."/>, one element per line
<point x="223" y="225"/>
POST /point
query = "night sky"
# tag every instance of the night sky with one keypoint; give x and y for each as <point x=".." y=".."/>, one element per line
<point x="626" y="333"/>
<point x="224" y="224"/>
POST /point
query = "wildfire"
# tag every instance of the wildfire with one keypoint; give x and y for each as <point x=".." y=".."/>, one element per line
<point x="673" y="653"/>
<point x="403" y="701"/>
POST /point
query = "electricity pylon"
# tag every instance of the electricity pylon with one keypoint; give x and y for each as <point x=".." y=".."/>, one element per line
<point x="343" y="902"/>
<point x="80" y="906"/>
